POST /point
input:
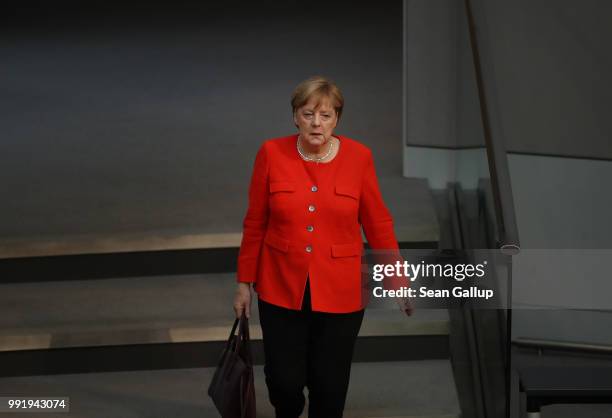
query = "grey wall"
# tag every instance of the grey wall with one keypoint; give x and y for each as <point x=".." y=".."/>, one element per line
<point x="546" y="70"/>
<point x="441" y="97"/>
<point x="430" y="59"/>
<point x="546" y="65"/>
<point x="562" y="207"/>
<point x="118" y="119"/>
<point x="562" y="202"/>
<point x="442" y="109"/>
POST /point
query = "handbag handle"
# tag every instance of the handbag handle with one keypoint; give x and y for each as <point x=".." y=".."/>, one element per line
<point x="233" y="331"/>
<point x="235" y="342"/>
<point x="244" y="338"/>
<point x="247" y="389"/>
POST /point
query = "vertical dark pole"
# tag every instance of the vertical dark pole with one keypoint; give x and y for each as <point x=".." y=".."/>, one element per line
<point x="508" y="239"/>
<point x="484" y="112"/>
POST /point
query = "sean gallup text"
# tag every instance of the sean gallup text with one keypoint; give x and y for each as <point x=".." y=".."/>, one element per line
<point x="424" y="292"/>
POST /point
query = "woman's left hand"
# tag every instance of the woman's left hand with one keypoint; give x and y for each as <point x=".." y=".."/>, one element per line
<point x="405" y="305"/>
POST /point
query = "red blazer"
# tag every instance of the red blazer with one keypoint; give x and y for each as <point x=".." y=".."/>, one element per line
<point x="284" y="239"/>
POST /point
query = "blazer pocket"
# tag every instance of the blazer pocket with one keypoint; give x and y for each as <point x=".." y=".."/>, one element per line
<point x="346" y="250"/>
<point x="349" y="191"/>
<point x="277" y="242"/>
<point x="281" y="186"/>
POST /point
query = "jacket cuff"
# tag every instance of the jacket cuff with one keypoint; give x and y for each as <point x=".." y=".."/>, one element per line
<point x="247" y="271"/>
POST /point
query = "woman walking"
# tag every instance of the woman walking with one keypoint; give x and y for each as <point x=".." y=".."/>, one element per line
<point x="309" y="196"/>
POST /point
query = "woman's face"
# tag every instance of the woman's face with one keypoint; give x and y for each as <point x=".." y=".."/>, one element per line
<point x="316" y="121"/>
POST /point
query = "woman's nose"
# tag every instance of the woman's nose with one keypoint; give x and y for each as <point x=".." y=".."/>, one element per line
<point x="315" y="120"/>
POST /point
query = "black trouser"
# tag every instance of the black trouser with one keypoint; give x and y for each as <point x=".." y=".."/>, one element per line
<point x="306" y="348"/>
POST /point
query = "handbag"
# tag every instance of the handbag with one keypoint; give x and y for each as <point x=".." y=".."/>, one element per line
<point x="232" y="387"/>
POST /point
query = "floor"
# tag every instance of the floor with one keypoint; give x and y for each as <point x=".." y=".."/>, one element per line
<point x="377" y="390"/>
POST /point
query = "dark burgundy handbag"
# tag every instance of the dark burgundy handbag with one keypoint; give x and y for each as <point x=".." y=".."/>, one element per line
<point x="232" y="387"/>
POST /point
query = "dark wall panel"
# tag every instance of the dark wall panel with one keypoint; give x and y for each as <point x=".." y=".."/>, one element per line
<point x="126" y="118"/>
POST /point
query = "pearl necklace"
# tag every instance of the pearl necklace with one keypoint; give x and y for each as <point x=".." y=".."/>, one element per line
<point x="315" y="159"/>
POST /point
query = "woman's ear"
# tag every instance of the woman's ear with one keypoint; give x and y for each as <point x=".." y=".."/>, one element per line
<point x="295" y="120"/>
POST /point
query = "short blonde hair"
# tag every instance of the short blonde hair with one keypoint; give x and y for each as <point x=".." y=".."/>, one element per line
<point x="317" y="87"/>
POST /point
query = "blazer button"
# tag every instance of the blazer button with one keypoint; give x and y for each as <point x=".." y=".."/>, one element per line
<point x="314" y="189"/>
<point x="310" y="228"/>
<point x="311" y="208"/>
<point x="308" y="249"/>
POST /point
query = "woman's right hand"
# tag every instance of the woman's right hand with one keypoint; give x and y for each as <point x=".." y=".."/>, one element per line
<point x="242" y="300"/>
<point x="405" y="305"/>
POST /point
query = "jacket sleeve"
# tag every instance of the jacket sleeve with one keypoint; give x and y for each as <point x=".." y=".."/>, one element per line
<point x="256" y="219"/>
<point x="377" y="224"/>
